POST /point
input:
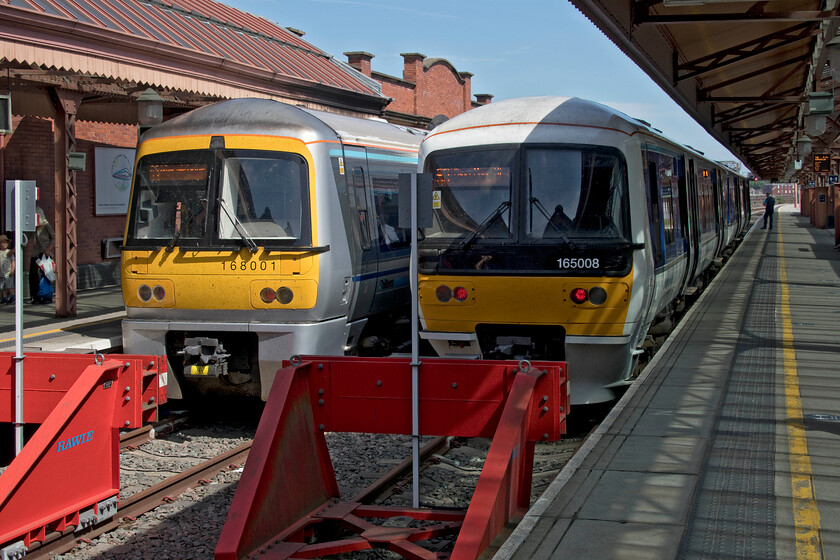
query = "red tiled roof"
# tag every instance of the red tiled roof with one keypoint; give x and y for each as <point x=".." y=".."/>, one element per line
<point x="205" y="28"/>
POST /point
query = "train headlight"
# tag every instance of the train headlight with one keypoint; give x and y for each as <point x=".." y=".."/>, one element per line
<point x="460" y="293"/>
<point x="579" y="295"/>
<point x="285" y="295"/>
<point x="597" y="295"/>
<point x="443" y="293"/>
<point x="144" y="293"/>
<point x="267" y="295"/>
<point x="158" y="293"/>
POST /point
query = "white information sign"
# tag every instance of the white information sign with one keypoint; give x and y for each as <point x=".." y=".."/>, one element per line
<point x="114" y="168"/>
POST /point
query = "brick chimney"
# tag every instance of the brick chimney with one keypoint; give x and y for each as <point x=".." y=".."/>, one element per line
<point x="412" y="66"/>
<point x="483" y="98"/>
<point x="359" y="60"/>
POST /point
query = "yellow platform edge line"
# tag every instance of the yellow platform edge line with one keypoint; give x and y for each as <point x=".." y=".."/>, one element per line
<point x="51" y="331"/>
<point x="806" y="513"/>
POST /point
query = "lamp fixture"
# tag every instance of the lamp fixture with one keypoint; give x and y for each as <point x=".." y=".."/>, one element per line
<point x="150" y="108"/>
<point x="803" y="146"/>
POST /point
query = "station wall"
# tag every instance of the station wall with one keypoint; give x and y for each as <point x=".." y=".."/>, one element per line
<point x="29" y="154"/>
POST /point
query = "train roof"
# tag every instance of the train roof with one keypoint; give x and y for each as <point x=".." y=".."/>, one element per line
<point x="269" y="117"/>
<point x="528" y="113"/>
<point x="548" y="110"/>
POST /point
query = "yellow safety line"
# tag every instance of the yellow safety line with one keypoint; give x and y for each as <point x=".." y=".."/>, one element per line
<point x="806" y="514"/>
<point x="70" y="328"/>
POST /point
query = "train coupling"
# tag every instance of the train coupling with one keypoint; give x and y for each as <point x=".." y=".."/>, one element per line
<point x="205" y="357"/>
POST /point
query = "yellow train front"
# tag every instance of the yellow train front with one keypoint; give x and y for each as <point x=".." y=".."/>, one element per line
<point x="257" y="231"/>
<point x="563" y="230"/>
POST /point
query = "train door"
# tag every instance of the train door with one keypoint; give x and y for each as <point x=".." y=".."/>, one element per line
<point x="665" y="206"/>
<point x="693" y="209"/>
<point x="392" y="242"/>
<point x="736" y="195"/>
<point x="718" y="205"/>
<point x="358" y="183"/>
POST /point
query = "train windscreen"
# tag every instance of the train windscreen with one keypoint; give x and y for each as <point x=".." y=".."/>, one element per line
<point x="222" y="198"/>
<point x="530" y="195"/>
<point x="170" y="196"/>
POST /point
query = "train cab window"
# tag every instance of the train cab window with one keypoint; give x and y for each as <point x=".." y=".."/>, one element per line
<point x="474" y="189"/>
<point x="264" y="196"/>
<point x="575" y="193"/>
<point x="171" y="193"/>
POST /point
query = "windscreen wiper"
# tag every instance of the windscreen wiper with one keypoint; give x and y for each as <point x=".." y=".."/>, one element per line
<point x="237" y="225"/>
<point x="482" y="227"/>
<point x="172" y="242"/>
<point x="544" y="212"/>
<point x="171" y="245"/>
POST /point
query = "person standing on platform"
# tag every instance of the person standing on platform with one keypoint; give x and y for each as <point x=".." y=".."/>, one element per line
<point x="42" y="245"/>
<point x="769" y="203"/>
<point x="7" y="271"/>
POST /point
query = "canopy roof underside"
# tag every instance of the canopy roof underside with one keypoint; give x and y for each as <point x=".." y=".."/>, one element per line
<point x="743" y="69"/>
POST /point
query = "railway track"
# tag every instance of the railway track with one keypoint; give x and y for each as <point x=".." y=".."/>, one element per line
<point x="143" y="502"/>
<point x="135" y="438"/>
<point x="370" y="469"/>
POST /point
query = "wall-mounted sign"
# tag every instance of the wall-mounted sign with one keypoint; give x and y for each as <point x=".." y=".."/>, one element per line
<point x="822" y="163"/>
<point x="113" y="179"/>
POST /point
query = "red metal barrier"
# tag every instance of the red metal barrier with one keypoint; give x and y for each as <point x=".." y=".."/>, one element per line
<point x="286" y="504"/>
<point x="67" y="474"/>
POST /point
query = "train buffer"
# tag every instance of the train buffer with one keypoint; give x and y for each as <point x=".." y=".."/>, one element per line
<point x="67" y="476"/>
<point x="287" y="501"/>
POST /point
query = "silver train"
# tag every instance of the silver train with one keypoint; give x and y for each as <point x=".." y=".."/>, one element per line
<point x="566" y="230"/>
<point x="258" y="230"/>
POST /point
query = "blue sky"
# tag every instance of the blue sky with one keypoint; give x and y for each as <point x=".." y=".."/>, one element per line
<point x="512" y="48"/>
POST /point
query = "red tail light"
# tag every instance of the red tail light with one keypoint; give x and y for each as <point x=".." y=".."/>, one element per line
<point x="267" y="295"/>
<point x="579" y="295"/>
<point x="460" y="293"/>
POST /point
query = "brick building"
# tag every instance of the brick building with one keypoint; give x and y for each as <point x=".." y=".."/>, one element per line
<point x="429" y="88"/>
<point x="74" y="80"/>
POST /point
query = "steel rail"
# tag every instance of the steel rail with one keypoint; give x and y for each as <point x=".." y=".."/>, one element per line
<point x="135" y="438"/>
<point x="143" y="502"/>
<point x="377" y="488"/>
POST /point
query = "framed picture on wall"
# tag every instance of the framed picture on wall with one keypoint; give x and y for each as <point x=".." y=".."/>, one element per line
<point x="114" y="168"/>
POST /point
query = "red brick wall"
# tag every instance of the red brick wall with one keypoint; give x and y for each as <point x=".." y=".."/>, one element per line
<point x="402" y="93"/>
<point x="438" y="89"/>
<point x="440" y="92"/>
<point x="92" y="229"/>
<point x="29" y="154"/>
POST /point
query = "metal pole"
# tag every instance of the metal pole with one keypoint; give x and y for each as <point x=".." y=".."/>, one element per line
<point x="18" y="322"/>
<point x="415" y="360"/>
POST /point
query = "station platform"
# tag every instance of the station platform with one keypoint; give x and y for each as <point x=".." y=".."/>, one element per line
<point x="727" y="445"/>
<point x="95" y="328"/>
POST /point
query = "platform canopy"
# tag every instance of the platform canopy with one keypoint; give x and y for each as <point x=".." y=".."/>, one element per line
<point x="749" y="72"/>
<point x="192" y="52"/>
